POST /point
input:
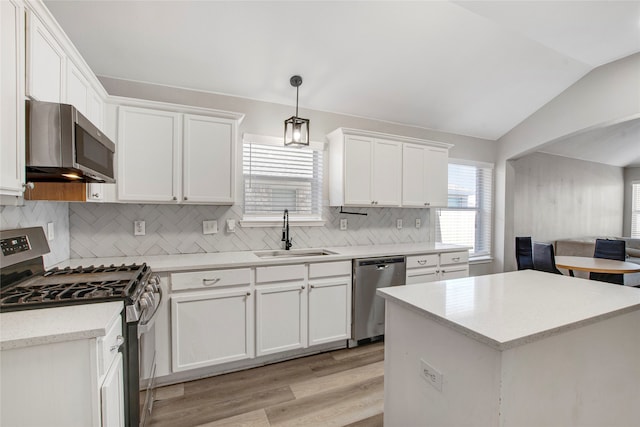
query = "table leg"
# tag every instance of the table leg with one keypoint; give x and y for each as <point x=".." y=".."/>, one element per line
<point x="571" y="273"/>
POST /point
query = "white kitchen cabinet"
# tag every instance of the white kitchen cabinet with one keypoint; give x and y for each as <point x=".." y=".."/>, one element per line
<point x="374" y="169"/>
<point x="112" y="395"/>
<point x="213" y="323"/>
<point x="281" y="309"/>
<point x="12" y="124"/>
<point x="149" y="155"/>
<point x="208" y="159"/>
<point x="367" y="171"/>
<point x="211" y="327"/>
<point x="169" y="157"/>
<point x="78" y="382"/>
<point x="424" y="176"/>
<point x="46" y="63"/>
<point x="329" y="299"/>
<point x="431" y="267"/>
<point x="81" y="95"/>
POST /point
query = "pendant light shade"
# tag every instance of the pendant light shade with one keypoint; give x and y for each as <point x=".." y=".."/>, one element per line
<point x="296" y="129"/>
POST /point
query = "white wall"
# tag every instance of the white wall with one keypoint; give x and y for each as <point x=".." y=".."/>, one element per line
<point x="607" y="95"/>
<point x="630" y="175"/>
<point x="557" y="197"/>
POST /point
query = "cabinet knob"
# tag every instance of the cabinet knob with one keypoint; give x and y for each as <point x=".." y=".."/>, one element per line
<point x="248" y="294"/>
<point x="312" y="286"/>
<point x="186" y="198"/>
<point x="302" y="286"/>
<point x="175" y="198"/>
<point x="95" y="195"/>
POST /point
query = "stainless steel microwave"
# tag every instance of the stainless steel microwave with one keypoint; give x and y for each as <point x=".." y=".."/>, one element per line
<point x="63" y="145"/>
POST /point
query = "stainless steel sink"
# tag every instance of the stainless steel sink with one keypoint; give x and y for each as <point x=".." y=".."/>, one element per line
<point x="293" y="253"/>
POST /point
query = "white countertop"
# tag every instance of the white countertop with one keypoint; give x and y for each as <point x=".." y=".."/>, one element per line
<point x="50" y="325"/>
<point x="507" y="310"/>
<point x="164" y="263"/>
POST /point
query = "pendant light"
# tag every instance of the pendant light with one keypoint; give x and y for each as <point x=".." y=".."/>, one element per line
<point x="296" y="129"/>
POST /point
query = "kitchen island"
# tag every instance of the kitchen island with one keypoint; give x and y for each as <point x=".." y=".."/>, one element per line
<point x="522" y="348"/>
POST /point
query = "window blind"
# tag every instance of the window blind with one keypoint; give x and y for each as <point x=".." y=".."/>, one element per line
<point x="467" y="220"/>
<point x="635" y="210"/>
<point x="278" y="178"/>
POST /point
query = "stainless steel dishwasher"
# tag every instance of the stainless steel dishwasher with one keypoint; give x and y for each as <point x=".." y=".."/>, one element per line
<point x="367" y="314"/>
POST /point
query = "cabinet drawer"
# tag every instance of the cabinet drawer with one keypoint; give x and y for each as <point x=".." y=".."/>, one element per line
<point x="280" y="273"/>
<point x="454" y="271"/>
<point x="327" y="269"/>
<point x="454" y="258"/>
<point x="109" y="345"/>
<point x="419" y="261"/>
<point x="210" y="279"/>
<point x="421" y="275"/>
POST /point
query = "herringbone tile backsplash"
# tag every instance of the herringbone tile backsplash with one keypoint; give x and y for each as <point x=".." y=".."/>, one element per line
<point x="38" y="214"/>
<point x="102" y="230"/>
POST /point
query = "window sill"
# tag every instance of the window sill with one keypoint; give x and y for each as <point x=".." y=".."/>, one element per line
<point x="269" y="222"/>
<point x="484" y="259"/>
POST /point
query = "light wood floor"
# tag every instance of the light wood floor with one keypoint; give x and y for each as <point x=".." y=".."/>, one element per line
<point x="338" y="388"/>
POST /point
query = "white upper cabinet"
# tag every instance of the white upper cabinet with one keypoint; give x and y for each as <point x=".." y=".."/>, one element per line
<point x="170" y="157"/>
<point x="424" y="176"/>
<point x="12" y="126"/>
<point x="364" y="171"/>
<point x="81" y="95"/>
<point x="148" y="154"/>
<point x="208" y="159"/>
<point x="373" y="169"/>
<point x="46" y="63"/>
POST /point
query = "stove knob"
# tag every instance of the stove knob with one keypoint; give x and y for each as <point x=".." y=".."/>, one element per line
<point x="144" y="304"/>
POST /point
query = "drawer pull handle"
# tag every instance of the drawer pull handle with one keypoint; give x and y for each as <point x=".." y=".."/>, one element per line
<point x="118" y="344"/>
<point x="302" y="287"/>
<point x="248" y="294"/>
<point x="210" y="282"/>
<point x="422" y="261"/>
<point x="312" y="286"/>
<point x="456" y="259"/>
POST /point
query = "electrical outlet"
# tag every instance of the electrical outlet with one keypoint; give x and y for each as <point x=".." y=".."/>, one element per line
<point x="231" y="225"/>
<point x="343" y="224"/>
<point x="210" y="226"/>
<point x="50" y="231"/>
<point x="139" y="228"/>
<point x="418" y="222"/>
<point x="399" y="224"/>
<point x="431" y="375"/>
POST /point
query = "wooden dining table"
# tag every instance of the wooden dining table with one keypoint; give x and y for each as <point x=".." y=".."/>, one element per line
<point x="595" y="265"/>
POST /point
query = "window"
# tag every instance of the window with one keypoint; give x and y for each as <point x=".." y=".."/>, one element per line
<point x="635" y="210"/>
<point x="468" y="217"/>
<point x="278" y="178"/>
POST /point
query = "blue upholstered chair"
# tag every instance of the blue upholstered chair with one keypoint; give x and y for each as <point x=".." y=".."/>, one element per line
<point x="544" y="258"/>
<point x="524" y="253"/>
<point x="609" y="249"/>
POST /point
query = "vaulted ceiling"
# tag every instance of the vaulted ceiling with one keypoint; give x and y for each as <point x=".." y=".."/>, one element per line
<point x="474" y="68"/>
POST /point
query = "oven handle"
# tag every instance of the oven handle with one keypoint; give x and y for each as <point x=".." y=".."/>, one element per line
<point x="142" y="324"/>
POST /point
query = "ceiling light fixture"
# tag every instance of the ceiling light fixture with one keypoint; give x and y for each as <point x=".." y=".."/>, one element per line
<point x="296" y="129"/>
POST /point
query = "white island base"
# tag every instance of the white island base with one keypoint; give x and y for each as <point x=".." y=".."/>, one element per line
<point x="514" y="349"/>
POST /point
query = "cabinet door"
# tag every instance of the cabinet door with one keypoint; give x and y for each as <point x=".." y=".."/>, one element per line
<point x="357" y="173"/>
<point x="148" y="155"/>
<point x="436" y="176"/>
<point x="12" y="126"/>
<point x="112" y="395"/>
<point x="95" y="108"/>
<point x="77" y="89"/>
<point x="208" y="328"/>
<point x="329" y="310"/>
<point x="387" y="173"/>
<point x="281" y="318"/>
<point x="413" y="175"/>
<point x="46" y="63"/>
<point x="208" y="160"/>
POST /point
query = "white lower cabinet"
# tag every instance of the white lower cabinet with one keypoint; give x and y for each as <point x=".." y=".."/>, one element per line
<point x="281" y="309"/>
<point x="211" y="327"/>
<point x="431" y="267"/>
<point x="68" y="383"/>
<point x="329" y="300"/>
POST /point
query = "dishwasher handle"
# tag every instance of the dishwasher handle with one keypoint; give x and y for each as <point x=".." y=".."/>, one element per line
<point x="382" y="266"/>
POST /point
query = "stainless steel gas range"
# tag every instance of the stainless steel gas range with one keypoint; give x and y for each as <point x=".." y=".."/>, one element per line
<point x="25" y="285"/>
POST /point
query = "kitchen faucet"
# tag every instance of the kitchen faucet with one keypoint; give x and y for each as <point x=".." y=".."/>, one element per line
<point x="285" y="231"/>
